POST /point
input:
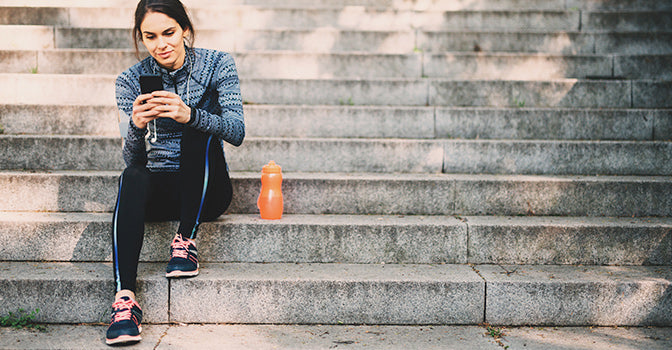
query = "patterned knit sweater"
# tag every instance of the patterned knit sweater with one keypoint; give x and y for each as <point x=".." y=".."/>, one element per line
<point x="214" y="99"/>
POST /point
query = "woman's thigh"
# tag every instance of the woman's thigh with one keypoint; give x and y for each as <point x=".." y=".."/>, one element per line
<point x="163" y="197"/>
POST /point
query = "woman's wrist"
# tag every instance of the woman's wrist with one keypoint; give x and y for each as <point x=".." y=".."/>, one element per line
<point x="192" y="117"/>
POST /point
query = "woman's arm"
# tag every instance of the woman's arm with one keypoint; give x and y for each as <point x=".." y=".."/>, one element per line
<point x="229" y="125"/>
<point x="134" y="145"/>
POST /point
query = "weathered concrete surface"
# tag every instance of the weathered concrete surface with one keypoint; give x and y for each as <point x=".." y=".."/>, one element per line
<point x="83" y="61"/>
<point x="306" y="40"/>
<point x="655" y="67"/>
<point x="557" y="43"/>
<point x="26" y="37"/>
<point x="355" y="239"/>
<point x="330" y="294"/>
<point x="633" y="43"/>
<point x="260" y="120"/>
<point x="569" y="93"/>
<point x="340" y="155"/>
<point x="563" y="240"/>
<point x="514" y="66"/>
<point x="552" y="123"/>
<point x="84" y="337"/>
<point x="339" y="121"/>
<point x="77" y="292"/>
<point x="244" y="238"/>
<point x="618" y="5"/>
<point x="297" y="65"/>
<point x="335" y="239"/>
<point x="445" y="5"/>
<point x="652" y="94"/>
<point x="356" y="193"/>
<point x="60" y="120"/>
<point x="46" y="89"/>
<point x="562" y="196"/>
<point x="558" y="157"/>
<point x="53" y="16"/>
<point x="639" y="21"/>
<point x="61" y="152"/>
<point x="378" y="155"/>
<point x="326" y="337"/>
<point x="389" y="92"/>
<point x="266" y="337"/>
<point x="376" y="122"/>
<point x="18" y="61"/>
<point x="578" y="295"/>
<point x="594" y="338"/>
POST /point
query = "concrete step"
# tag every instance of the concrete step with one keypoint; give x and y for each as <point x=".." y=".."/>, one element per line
<point x="369" y="155"/>
<point x="32" y="88"/>
<point x="246" y="17"/>
<point x="447" y="5"/>
<point x="257" y="293"/>
<point x="245" y="238"/>
<point x="564" y="43"/>
<point x="309" y="18"/>
<point x="316" y="40"/>
<point x="545" y="123"/>
<point x="577" y="295"/>
<point x="278" y="64"/>
<point x="376" y="122"/>
<point x="356" y="239"/>
<point x="26" y="37"/>
<point x="310" y="155"/>
<point x="33" y="37"/>
<point x="639" y="21"/>
<point x="557" y="157"/>
<point x="290" y="337"/>
<point x="643" y="67"/>
<point x="614" y="5"/>
<point x="298" y="65"/>
<point x="353" y="294"/>
<point x="382" y="194"/>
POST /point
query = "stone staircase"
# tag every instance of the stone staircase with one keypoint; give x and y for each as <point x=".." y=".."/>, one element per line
<point x="445" y="162"/>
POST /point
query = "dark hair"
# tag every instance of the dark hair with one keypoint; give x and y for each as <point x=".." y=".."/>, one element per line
<point x="171" y="8"/>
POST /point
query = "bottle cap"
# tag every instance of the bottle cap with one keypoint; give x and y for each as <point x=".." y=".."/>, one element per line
<point x="271" y="167"/>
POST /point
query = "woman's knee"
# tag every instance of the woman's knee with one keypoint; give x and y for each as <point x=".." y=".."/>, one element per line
<point x="135" y="176"/>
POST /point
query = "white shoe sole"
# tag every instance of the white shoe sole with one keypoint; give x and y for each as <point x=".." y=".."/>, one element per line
<point x="123" y="339"/>
<point x="178" y="273"/>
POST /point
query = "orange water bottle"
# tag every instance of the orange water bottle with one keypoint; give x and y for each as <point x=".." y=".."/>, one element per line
<point x="270" y="198"/>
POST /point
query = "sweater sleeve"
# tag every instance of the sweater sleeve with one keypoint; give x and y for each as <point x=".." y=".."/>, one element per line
<point x="134" y="144"/>
<point x="229" y="124"/>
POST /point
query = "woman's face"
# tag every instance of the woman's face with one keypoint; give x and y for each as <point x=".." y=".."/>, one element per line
<point x="164" y="39"/>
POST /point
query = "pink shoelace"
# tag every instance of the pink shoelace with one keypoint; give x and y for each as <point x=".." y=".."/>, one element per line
<point x="180" y="248"/>
<point x="122" y="310"/>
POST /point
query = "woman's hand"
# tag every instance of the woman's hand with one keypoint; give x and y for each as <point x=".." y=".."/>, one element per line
<point x="143" y="113"/>
<point x="169" y="105"/>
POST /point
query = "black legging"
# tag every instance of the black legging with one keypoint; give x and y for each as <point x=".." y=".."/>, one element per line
<point x="163" y="196"/>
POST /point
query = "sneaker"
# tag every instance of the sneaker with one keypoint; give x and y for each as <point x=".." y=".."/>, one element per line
<point x="183" y="259"/>
<point x="125" y="326"/>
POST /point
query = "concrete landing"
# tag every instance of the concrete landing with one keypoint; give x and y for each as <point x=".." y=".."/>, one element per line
<point x="343" y="337"/>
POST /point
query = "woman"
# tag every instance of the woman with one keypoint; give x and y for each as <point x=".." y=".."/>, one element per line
<point x="173" y="150"/>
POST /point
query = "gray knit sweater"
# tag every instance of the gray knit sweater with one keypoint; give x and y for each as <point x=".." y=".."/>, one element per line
<point x="214" y="98"/>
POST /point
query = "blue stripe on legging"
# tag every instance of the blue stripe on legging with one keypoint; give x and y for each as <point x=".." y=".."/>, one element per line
<point x="114" y="233"/>
<point x="205" y="187"/>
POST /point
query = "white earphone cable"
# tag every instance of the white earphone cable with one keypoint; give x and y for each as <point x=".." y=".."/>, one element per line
<point x="154" y="134"/>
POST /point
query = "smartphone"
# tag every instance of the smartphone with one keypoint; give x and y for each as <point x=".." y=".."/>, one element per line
<point x="150" y="83"/>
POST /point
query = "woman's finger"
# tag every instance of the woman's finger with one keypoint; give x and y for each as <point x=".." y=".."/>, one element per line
<point x="164" y="93"/>
<point x="164" y="101"/>
<point x="141" y="98"/>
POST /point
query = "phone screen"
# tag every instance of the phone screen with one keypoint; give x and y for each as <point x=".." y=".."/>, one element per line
<point x="150" y="83"/>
